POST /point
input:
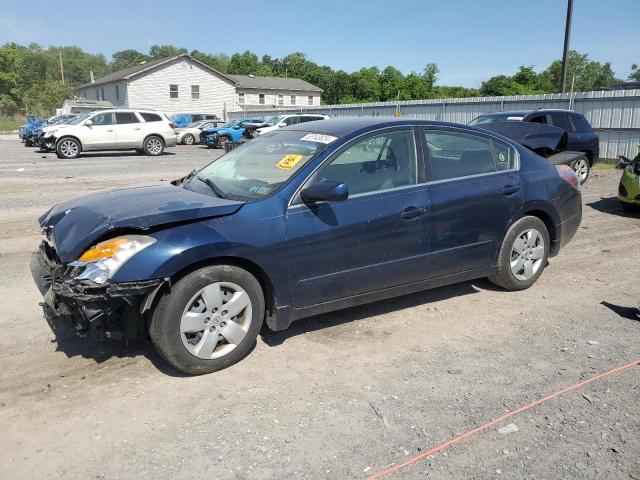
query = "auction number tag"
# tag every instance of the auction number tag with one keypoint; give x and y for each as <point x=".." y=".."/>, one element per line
<point x="288" y="162"/>
<point x="319" y="137"/>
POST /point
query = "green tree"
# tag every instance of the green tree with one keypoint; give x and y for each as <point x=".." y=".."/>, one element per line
<point x="43" y="98"/>
<point x="589" y="74"/>
<point x="127" y="58"/>
<point x="219" y="61"/>
<point x="635" y="73"/>
<point x="165" y="51"/>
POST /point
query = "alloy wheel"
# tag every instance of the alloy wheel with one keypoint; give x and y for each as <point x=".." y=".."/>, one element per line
<point x="188" y="139"/>
<point x="581" y="167"/>
<point x="69" y="148"/>
<point x="527" y="254"/>
<point x="154" y="146"/>
<point x="215" y="320"/>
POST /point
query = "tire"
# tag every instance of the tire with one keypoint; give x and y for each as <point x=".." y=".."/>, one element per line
<point x="188" y="139"/>
<point x="517" y="238"/>
<point x="194" y="302"/>
<point x="223" y="140"/>
<point x="582" y="168"/>
<point x="153" y="146"/>
<point x="68" y="147"/>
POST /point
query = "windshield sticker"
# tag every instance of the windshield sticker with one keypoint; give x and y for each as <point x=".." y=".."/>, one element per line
<point x="320" y="138"/>
<point x="288" y="162"/>
<point x="260" y="190"/>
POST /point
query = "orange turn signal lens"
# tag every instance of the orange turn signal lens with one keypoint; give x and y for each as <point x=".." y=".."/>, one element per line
<point x="103" y="250"/>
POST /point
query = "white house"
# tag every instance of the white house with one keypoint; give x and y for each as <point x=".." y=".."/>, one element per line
<point x="182" y="84"/>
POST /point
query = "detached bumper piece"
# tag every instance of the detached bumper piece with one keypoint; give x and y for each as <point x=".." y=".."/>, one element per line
<point x="100" y="311"/>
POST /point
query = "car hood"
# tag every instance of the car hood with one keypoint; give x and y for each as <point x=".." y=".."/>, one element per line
<point x="76" y="224"/>
<point x="211" y="131"/>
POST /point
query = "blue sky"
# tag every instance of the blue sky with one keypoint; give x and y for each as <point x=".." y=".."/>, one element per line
<point x="469" y="40"/>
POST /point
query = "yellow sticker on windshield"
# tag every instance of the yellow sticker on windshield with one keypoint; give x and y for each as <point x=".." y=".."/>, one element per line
<point x="288" y="162"/>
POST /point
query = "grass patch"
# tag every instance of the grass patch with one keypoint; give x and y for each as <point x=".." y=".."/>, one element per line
<point x="8" y="124"/>
<point x="605" y="165"/>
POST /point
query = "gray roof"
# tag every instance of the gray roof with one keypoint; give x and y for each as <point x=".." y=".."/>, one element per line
<point x="274" y="83"/>
<point x="81" y="102"/>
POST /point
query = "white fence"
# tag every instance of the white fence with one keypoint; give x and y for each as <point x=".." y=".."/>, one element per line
<point x="615" y="115"/>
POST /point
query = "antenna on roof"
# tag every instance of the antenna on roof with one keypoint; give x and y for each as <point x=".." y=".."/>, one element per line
<point x="251" y="75"/>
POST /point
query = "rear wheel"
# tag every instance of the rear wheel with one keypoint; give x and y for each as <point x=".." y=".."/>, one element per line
<point x="153" y="146"/>
<point x="523" y="255"/>
<point x="68" y="148"/>
<point x="582" y="169"/>
<point x="188" y="139"/>
<point x="209" y="320"/>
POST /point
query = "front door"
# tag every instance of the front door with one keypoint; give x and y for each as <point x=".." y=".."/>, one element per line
<point x="474" y="191"/>
<point x="377" y="238"/>
<point x="100" y="134"/>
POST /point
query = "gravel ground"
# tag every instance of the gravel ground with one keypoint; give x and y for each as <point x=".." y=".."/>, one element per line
<point x="342" y="395"/>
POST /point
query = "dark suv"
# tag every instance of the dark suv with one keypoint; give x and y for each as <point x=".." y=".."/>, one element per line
<point x="580" y="135"/>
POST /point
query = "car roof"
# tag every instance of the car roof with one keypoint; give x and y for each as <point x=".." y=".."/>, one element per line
<point x="515" y="113"/>
<point x="346" y="126"/>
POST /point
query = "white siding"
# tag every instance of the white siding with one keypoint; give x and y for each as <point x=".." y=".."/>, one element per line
<point x="117" y="98"/>
<point x="151" y="90"/>
<point x="252" y="97"/>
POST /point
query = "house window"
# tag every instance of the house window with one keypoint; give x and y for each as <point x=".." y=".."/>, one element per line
<point x="195" y="92"/>
<point x="241" y="98"/>
<point x="117" y="93"/>
<point x="173" y="91"/>
<point x="261" y="99"/>
<point x="280" y="99"/>
<point x="293" y="99"/>
<point x="310" y="100"/>
<point x="102" y="93"/>
<point x="97" y="94"/>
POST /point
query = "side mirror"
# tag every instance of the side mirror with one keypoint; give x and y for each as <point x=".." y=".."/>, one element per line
<point x="282" y="124"/>
<point x="88" y="123"/>
<point x="325" y="191"/>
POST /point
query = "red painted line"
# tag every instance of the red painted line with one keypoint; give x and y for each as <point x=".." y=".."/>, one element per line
<point x="495" y="421"/>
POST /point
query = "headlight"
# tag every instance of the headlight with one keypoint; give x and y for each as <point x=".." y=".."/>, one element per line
<point x="103" y="260"/>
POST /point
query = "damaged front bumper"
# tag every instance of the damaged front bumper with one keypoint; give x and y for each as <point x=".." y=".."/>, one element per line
<point x="114" y="310"/>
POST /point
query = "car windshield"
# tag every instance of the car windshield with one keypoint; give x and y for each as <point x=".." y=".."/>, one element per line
<point x="231" y="124"/>
<point x="196" y="124"/>
<point x="496" y="117"/>
<point x="78" y="119"/>
<point x="258" y="168"/>
<point x="273" y="121"/>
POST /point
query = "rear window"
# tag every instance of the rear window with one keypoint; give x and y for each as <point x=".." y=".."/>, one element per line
<point x="581" y="123"/>
<point x="151" y="117"/>
<point x="126" y="117"/>
<point x="561" y="121"/>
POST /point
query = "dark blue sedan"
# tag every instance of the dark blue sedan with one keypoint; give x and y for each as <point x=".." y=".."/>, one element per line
<point x="304" y="220"/>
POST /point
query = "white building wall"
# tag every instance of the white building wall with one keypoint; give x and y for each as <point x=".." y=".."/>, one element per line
<point x="151" y="90"/>
<point x="252" y="97"/>
<point x="109" y="92"/>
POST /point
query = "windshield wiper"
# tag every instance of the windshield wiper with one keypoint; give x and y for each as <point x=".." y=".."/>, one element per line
<point x="214" y="188"/>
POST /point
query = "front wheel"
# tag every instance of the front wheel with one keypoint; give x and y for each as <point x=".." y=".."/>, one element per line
<point x="209" y="320"/>
<point x="68" y="148"/>
<point x="523" y="255"/>
<point x="188" y="139"/>
<point x="153" y="146"/>
<point x="581" y="167"/>
<point x="223" y="141"/>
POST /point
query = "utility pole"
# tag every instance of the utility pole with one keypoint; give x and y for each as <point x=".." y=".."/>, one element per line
<point x="565" y="52"/>
<point x="61" y="68"/>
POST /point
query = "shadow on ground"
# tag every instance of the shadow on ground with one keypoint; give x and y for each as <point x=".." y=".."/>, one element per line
<point x="630" y="313"/>
<point x="613" y="206"/>
<point x="383" y="307"/>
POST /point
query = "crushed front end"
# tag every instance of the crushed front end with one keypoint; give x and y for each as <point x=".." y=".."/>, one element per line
<point x="98" y="310"/>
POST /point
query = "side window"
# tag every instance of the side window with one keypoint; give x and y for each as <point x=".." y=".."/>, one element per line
<point x="456" y="154"/>
<point x="197" y="117"/>
<point x="538" y="119"/>
<point x="291" y="120"/>
<point x="126" y="117"/>
<point x="581" y="124"/>
<point x="102" y="119"/>
<point x="378" y="163"/>
<point x="559" y="120"/>
<point x="151" y="117"/>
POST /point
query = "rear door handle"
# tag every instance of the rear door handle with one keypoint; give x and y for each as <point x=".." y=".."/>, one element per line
<point x="412" y="212"/>
<point x="137" y="128"/>
<point x="510" y="189"/>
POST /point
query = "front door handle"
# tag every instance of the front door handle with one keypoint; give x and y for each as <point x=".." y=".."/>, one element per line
<point x="137" y="128"/>
<point x="510" y="189"/>
<point x="109" y="130"/>
<point x="412" y="212"/>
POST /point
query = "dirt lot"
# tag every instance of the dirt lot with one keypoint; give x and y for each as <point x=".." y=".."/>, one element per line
<point x="342" y="395"/>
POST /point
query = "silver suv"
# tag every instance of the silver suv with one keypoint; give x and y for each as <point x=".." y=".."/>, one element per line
<point x="146" y="131"/>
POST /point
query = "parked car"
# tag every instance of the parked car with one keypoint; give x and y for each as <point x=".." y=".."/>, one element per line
<point x="185" y="119"/>
<point x="145" y="131"/>
<point x="580" y="135"/>
<point x="629" y="187"/>
<point x="300" y="221"/>
<point x="192" y="133"/>
<point x="26" y="131"/>
<point x="230" y="132"/>
<point x="52" y="123"/>
<point x="281" y="121"/>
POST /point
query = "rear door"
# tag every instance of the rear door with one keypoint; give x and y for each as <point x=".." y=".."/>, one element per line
<point x="128" y="130"/>
<point x="99" y="135"/>
<point x="377" y="238"/>
<point x="474" y="190"/>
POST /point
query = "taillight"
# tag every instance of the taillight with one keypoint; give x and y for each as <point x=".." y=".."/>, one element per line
<point x="172" y="125"/>
<point x="568" y="175"/>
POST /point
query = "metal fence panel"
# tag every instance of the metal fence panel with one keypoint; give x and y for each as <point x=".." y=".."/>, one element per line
<point x="615" y="115"/>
